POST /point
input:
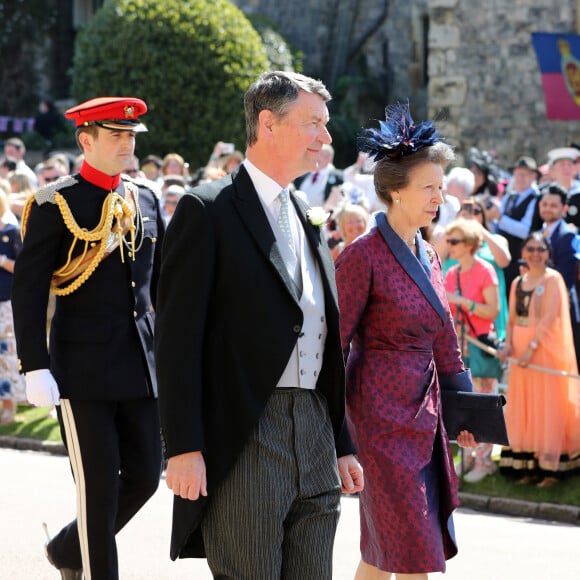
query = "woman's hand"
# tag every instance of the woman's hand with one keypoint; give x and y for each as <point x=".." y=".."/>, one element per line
<point x="454" y="298"/>
<point x="466" y="439"/>
<point x="525" y="358"/>
<point x="504" y="353"/>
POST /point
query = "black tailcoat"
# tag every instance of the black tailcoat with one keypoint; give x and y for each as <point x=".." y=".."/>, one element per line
<point x="227" y="321"/>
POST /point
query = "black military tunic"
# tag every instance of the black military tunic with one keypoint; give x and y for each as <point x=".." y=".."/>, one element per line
<point x="101" y="339"/>
<point x="100" y="353"/>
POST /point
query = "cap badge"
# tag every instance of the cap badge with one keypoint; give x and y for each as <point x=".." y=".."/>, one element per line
<point x="129" y="112"/>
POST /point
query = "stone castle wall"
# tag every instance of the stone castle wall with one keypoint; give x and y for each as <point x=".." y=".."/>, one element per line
<point x="471" y="61"/>
<point x="324" y="29"/>
<point x="483" y="73"/>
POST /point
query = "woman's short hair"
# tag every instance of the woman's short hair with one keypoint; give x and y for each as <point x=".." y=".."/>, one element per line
<point x="391" y="174"/>
<point x="463" y="177"/>
<point x="22" y="181"/>
<point x="173" y="157"/>
<point x="350" y="209"/>
<point x="470" y="231"/>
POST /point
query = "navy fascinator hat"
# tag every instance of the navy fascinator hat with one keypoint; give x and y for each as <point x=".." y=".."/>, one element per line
<point x="398" y="135"/>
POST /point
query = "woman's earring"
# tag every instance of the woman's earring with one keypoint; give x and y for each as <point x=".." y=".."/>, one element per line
<point x="397" y="200"/>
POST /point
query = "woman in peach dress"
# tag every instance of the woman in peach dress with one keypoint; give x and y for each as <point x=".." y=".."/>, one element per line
<point x="543" y="409"/>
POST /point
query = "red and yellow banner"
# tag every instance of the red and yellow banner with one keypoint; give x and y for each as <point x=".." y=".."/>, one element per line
<point x="559" y="61"/>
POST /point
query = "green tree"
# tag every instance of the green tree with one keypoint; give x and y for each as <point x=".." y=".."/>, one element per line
<point x="22" y="55"/>
<point x="191" y="61"/>
<point x="281" y="55"/>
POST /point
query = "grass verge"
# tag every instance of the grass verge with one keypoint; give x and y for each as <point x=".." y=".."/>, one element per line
<point x="37" y="423"/>
<point x="566" y="492"/>
<point x="33" y="423"/>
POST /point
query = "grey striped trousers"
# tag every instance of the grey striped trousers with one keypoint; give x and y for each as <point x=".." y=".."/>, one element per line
<point x="275" y="514"/>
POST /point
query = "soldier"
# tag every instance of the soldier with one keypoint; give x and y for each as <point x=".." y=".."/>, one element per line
<point x="93" y="240"/>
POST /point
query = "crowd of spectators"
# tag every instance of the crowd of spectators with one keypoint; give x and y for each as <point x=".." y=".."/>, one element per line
<point x="500" y="207"/>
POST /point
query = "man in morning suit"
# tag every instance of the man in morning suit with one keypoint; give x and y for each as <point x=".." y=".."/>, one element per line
<point x="93" y="239"/>
<point x="249" y="363"/>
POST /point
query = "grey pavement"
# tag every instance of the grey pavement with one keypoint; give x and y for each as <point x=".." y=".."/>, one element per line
<point x="37" y="487"/>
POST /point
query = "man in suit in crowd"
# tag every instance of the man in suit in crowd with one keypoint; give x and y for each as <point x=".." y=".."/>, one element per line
<point x="519" y="212"/>
<point x="562" y="236"/>
<point x="563" y="170"/>
<point x="250" y="368"/>
<point x="318" y="184"/>
<point x="93" y="240"/>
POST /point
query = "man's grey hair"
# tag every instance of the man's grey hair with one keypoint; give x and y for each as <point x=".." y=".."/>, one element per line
<point x="275" y="91"/>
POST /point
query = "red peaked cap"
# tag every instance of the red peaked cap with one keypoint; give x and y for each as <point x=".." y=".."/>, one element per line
<point x="116" y="113"/>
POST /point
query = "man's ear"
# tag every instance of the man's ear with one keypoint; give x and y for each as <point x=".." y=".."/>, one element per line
<point x="85" y="141"/>
<point x="266" y="120"/>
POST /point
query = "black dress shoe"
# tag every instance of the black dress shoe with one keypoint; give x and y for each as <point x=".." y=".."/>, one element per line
<point x="70" y="574"/>
<point x="65" y="573"/>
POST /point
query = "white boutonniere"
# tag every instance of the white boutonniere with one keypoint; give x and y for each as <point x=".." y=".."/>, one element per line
<point x="317" y="216"/>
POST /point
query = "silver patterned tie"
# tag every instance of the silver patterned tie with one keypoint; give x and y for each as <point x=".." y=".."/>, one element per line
<point x="284" y="217"/>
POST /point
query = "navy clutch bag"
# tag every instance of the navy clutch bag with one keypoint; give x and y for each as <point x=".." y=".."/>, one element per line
<point x="479" y="413"/>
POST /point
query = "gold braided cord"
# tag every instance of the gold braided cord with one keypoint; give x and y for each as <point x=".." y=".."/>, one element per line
<point x="26" y="215"/>
<point x="84" y="276"/>
<point x="115" y="209"/>
<point x="95" y="234"/>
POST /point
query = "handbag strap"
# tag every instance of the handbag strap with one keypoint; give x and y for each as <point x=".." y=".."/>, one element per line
<point x="460" y="311"/>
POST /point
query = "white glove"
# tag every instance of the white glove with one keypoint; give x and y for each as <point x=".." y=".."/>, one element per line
<point x="41" y="388"/>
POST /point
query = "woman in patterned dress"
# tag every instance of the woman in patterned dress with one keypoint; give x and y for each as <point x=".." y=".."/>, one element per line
<point x="401" y="348"/>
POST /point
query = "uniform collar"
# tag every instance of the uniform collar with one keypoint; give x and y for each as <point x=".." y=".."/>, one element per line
<point x="98" y="178"/>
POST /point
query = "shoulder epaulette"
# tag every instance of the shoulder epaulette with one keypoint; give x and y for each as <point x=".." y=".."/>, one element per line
<point x="141" y="182"/>
<point x="46" y="192"/>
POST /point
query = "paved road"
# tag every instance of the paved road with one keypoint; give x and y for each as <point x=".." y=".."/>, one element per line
<point x="36" y="487"/>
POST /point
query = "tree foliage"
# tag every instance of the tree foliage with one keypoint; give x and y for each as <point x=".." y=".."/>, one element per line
<point x="281" y="55"/>
<point x="21" y="25"/>
<point x="190" y="60"/>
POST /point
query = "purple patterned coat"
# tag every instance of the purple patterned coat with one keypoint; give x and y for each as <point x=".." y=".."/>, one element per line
<point x="400" y="344"/>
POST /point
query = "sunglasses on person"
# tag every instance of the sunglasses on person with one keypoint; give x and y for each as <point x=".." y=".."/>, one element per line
<point x="472" y="209"/>
<point x="535" y="249"/>
<point x="454" y="241"/>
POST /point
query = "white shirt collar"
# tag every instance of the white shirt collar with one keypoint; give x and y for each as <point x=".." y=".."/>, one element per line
<point x="324" y="171"/>
<point x="267" y="189"/>
<point x="552" y="227"/>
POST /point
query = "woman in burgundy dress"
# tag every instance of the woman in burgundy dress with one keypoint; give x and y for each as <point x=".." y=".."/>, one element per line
<point x="401" y="349"/>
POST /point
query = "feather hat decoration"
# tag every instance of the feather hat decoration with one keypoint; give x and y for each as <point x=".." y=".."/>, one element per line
<point x="397" y="135"/>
